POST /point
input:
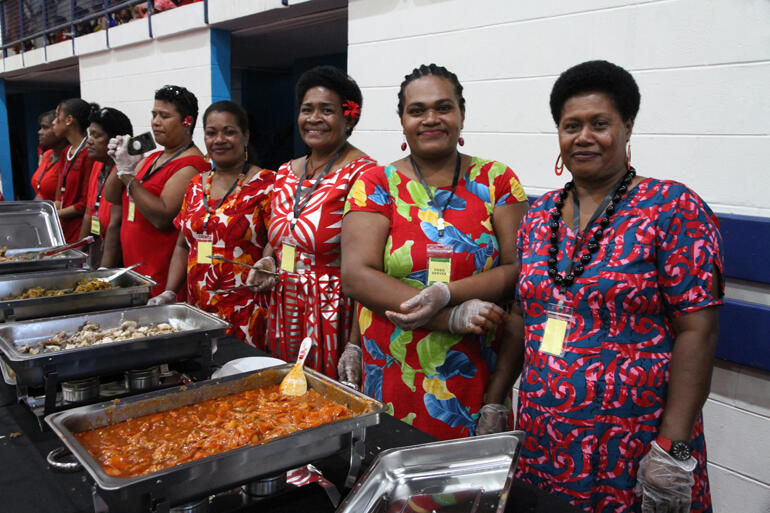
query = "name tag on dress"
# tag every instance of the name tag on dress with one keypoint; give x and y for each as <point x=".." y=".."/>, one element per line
<point x="96" y="226"/>
<point x="204" y="249"/>
<point x="131" y="211"/>
<point x="439" y="263"/>
<point x="555" y="333"/>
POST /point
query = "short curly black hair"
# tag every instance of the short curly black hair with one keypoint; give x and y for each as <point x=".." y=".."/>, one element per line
<point x="113" y="121"/>
<point x="334" y="79"/>
<point x="600" y="76"/>
<point x="183" y="100"/>
<point x="428" y="70"/>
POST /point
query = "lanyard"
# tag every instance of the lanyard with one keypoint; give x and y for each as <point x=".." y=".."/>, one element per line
<point x="594" y="217"/>
<point x="51" y="163"/>
<point x="301" y="200"/>
<point x="154" y="170"/>
<point x="440" y="224"/>
<point x="238" y="180"/>
<point x="68" y="167"/>
<point x="100" y="186"/>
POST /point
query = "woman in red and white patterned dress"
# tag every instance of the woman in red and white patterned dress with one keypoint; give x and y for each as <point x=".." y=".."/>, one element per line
<point x="224" y="213"/>
<point x="306" y="222"/>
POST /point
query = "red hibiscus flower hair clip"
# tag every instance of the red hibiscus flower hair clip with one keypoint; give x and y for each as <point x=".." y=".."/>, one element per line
<point x="351" y="109"/>
<point x="187" y="121"/>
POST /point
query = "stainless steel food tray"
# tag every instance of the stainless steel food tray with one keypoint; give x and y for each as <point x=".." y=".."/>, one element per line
<point x="199" y="328"/>
<point x="200" y="478"/>
<point x="70" y="259"/>
<point x="134" y="289"/>
<point x="29" y="225"/>
<point x="471" y="474"/>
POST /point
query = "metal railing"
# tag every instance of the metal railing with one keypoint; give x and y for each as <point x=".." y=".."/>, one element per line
<point x="28" y="24"/>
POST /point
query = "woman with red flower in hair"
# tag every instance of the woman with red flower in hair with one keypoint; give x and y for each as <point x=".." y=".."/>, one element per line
<point x="306" y="221"/>
<point x="225" y="213"/>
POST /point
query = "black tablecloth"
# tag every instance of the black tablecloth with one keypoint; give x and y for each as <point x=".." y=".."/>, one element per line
<point x="28" y="485"/>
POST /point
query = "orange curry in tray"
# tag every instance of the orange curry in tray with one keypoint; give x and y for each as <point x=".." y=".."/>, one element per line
<point x="161" y="440"/>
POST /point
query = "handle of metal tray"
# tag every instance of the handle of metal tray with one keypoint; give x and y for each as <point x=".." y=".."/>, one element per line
<point x="62" y="466"/>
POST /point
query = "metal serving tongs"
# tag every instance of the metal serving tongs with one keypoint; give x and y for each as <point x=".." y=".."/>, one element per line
<point x="42" y="253"/>
<point x="223" y="259"/>
<point x="120" y="272"/>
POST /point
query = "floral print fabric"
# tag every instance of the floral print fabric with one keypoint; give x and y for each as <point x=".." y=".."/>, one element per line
<point x="432" y="380"/>
<point x="591" y="415"/>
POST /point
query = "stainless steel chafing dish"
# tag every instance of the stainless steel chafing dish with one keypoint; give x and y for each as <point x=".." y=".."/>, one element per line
<point x="224" y="471"/>
<point x="30" y="225"/>
<point x="134" y="289"/>
<point x="469" y="474"/>
<point x="198" y="329"/>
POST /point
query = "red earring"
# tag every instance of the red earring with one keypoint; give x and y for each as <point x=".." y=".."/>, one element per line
<point x="628" y="157"/>
<point x="558" y="168"/>
<point x="403" y="146"/>
<point x="461" y="141"/>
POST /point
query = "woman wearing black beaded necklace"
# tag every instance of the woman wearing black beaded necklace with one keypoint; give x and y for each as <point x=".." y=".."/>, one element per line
<point x="616" y="324"/>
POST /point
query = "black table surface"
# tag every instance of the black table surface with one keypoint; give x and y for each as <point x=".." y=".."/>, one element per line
<point x="28" y="485"/>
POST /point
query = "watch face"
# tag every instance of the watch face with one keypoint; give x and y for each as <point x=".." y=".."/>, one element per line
<point x="680" y="450"/>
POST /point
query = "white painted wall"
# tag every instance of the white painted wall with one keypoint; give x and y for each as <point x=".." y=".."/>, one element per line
<point x="703" y="67"/>
<point x="127" y="77"/>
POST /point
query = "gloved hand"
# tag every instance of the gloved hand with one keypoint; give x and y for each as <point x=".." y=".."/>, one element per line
<point x="117" y="150"/>
<point x="664" y="483"/>
<point x="421" y="308"/>
<point x="349" y="365"/>
<point x="262" y="282"/>
<point x="167" y="297"/>
<point x="475" y="316"/>
<point x="493" y="418"/>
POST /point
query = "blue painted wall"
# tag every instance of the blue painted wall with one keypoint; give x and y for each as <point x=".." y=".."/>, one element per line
<point x="220" y="65"/>
<point x="6" y="168"/>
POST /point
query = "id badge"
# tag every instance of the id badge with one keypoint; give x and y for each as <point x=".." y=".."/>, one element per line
<point x="439" y="263"/>
<point x="131" y="211"/>
<point x="205" y="245"/>
<point x="555" y="333"/>
<point x="96" y="226"/>
<point x="288" y="254"/>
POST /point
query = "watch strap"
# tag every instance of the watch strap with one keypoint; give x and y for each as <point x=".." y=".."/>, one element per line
<point x="664" y="443"/>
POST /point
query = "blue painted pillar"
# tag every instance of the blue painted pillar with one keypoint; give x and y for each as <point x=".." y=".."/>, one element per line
<point x="220" y="65"/>
<point x="6" y="169"/>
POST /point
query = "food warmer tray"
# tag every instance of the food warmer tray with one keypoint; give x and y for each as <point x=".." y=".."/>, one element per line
<point x="187" y="482"/>
<point x="29" y="225"/>
<point x="69" y="259"/>
<point x="470" y="474"/>
<point x="198" y="331"/>
<point x="134" y="289"/>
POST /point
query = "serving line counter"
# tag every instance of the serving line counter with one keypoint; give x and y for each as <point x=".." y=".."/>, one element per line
<point x="28" y="484"/>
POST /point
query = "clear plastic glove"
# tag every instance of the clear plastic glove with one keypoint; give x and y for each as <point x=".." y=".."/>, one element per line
<point x="493" y="418"/>
<point x="117" y="150"/>
<point x="421" y="308"/>
<point x="475" y="316"/>
<point x="167" y="297"/>
<point x="664" y="483"/>
<point x="260" y="281"/>
<point x="349" y="365"/>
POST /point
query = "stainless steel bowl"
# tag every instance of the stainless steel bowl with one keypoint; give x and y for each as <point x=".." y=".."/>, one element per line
<point x="139" y="380"/>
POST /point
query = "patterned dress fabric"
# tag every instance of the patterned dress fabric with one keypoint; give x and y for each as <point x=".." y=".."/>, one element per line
<point x="309" y="302"/>
<point x="591" y="415"/>
<point x="140" y="241"/>
<point x="238" y="231"/>
<point x="432" y="380"/>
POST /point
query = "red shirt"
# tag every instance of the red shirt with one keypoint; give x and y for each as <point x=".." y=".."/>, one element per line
<point x="139" y="239"/>
<point x="96" y="186"/>
<point x="46" y="178"/>
<point x="74" y="190"/>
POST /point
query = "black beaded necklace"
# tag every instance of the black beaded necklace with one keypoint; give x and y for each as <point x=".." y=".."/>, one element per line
<point x="576" y="269"/>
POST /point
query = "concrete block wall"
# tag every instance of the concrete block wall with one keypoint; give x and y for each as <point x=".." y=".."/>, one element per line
<point x="703" y="67"/>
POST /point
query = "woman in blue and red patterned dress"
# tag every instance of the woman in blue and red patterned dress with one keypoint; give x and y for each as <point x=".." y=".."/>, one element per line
<point x="620" y="280"/>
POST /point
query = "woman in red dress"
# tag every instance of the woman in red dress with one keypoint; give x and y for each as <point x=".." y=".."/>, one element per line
<point x="46" y="178"/>
<point x="308" y="200"/>
<point x="226" y="213"/>
<point x="70" y="123"/>
<point x="102" y="218"/>
<point x="151" y="189"/>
